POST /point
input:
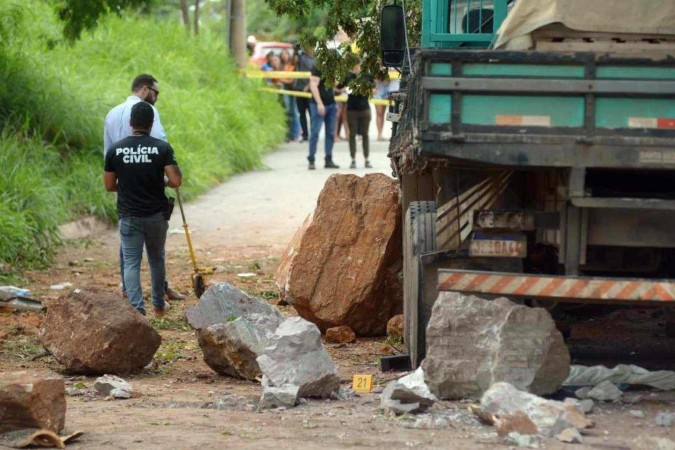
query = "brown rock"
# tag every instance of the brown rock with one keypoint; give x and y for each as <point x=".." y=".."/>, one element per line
<point x="343" y="266"/>
<point x="395" y="326"/>
<point x="93" y="332"/>
<point x="473" y="343"/>
<point x="340" y="335"/>
<point x="32" y="399"/>
<point x="516" y="422"/>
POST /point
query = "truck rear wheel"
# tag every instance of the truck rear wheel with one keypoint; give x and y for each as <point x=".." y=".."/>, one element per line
<point x="419" y="237"/>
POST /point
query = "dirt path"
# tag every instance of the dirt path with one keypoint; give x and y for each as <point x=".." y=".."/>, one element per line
<point x="242" y="226"/>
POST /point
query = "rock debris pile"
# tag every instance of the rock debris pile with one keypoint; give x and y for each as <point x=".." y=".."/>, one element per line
<point x="233" y="329"/>
<point x="245" y="337"/>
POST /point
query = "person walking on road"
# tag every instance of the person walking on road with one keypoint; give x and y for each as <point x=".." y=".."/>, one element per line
<point x="144" y="88"/>
<point x="135" y="168"/>
<point x="322" y="111"/>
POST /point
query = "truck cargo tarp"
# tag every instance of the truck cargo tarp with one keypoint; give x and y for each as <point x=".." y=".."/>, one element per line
<point x="605" y="16"/>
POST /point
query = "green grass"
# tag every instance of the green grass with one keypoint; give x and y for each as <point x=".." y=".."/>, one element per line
<point x="54" y="98"/>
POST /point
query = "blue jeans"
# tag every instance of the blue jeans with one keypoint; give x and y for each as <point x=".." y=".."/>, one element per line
<point x="293" y="117"/>
<point x="135" y="232"/>
<point x="316" y="122"/>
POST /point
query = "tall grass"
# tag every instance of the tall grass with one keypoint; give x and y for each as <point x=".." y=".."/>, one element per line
<point x="53" y="103"/>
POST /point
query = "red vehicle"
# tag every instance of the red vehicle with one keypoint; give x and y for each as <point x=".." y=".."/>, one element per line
<point x="261" y="50"/>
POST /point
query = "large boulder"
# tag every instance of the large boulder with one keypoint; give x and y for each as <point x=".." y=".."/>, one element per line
<point x="233" y="328"/>
<point x="343" y="266"/>
<point x="93" y="332"/>
<point x="32" y="399"/>
<point x="297" y="357"/>
<point x="473" y="343"/>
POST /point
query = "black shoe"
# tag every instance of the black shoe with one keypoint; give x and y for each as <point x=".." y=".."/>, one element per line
<point x="352" y="165"/>
<point x="311" y="166"/>
<point x="331" y="165"/>
<point x="368" y="166"/>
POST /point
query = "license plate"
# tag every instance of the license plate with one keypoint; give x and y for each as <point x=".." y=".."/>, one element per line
<point x="498" y="246"/>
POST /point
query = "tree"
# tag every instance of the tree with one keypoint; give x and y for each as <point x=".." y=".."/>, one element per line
<point x="359" y="19"/>
<point x="80" y="15"/>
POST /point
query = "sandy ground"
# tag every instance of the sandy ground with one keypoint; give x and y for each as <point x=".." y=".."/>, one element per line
<point x="243" y="226"/>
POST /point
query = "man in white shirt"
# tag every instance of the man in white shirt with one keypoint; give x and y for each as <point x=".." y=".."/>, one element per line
<point x="144" y="88"/>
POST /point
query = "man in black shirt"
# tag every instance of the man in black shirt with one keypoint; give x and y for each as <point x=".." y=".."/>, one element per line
<point x="134" y="168"/>
<point x="322" y="110"/>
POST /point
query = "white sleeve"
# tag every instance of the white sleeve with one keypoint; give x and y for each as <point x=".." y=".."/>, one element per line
<point x="157" y="128"/>
<point x="107" y="141"/>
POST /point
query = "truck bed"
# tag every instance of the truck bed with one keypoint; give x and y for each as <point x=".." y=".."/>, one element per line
<point x="539" y="109"/>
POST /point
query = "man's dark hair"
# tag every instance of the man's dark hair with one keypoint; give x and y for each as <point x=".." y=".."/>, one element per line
<point x="142" y="116"/>
<point x="144" y="79"/>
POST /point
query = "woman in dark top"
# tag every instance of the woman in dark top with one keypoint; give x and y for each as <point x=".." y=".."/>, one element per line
<point x="358" y="118"/>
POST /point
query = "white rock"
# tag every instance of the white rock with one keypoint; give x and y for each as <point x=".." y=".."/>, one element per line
<point x="473" y="343"/>
<point x="665" y="419"/>
<point x="522" y="440"/>
<point x="296" y="356"/>
<point x="408" y="394"/>
<point x="582" y="393"/>
<point x="636" y="413"/>
<point x="584" y="406"/>
<point x="605" y="392"/>
<point x="278" y="396"/>
<point x="549" y="416"/>
<point x="116" y="387"/>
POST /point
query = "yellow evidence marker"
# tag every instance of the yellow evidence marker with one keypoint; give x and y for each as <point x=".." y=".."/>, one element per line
<point x="362" y="383"/>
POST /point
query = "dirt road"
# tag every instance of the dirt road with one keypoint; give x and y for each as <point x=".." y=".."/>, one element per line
<point x="242" y="226"/>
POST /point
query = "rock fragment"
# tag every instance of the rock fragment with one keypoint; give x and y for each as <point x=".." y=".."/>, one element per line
<point x="570" y="436"/>
<point x="343" y="266"/>
<point x="473" y="343"/>
<point x="278" y="396"/>
<point x="395" y="327"/>
<point x="340" y="335"/>
<point x="295" y="356"/>
<point x="233" y="329"/>
<point x="549" y="416"/>
<point x="665" y="419"/>
<point x="94" y="332"/>
<point x="116" y="387"/>
<point x="605" y="392"/>
<point x="408" y="394"/>
<point x="32" y="399"/>
<point x="636" y="413"/>
<point x="522" y="440"/>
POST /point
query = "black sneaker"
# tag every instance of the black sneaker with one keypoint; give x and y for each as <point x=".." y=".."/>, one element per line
<point x="331" y="165"/>
<point x="312" y="166"/>
<point x="368" y="165"/>
<point x="353" y="164"/>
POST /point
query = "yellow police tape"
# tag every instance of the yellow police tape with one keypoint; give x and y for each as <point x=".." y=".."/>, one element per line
<point x="393" y="75"/>
<point x="341" y="98"/>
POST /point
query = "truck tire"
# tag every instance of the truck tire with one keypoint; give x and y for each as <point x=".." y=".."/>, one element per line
<point x="419" y="238"/>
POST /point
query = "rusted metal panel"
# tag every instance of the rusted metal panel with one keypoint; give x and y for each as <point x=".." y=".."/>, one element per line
<point x="504" y="220"/>
<point x="498" y="245"/>
<point x="557" y="287"/>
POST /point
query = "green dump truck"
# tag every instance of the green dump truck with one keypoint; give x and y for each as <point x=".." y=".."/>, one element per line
<point x="534" y="142"/>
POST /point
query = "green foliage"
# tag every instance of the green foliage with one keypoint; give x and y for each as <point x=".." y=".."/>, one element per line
<point x="359" y="19"/>
<point x="265" y="25"/>
<point x="54" y="98"/>
<point x="80" y="15"/>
